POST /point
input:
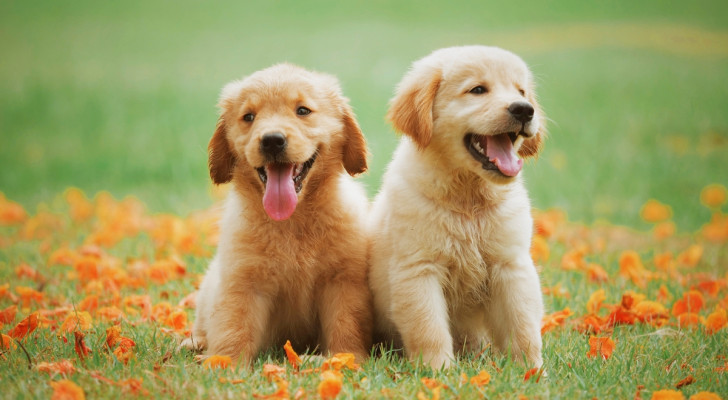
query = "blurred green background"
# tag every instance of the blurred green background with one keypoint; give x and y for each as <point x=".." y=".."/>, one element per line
<point x="120" y="96"/>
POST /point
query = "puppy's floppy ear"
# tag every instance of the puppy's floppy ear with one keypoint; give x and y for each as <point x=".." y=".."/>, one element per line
<point x="221" y="158"/>
<point x="410" y="111"/>
<point x="355" y="153"/>
<point x="532" y="146"/>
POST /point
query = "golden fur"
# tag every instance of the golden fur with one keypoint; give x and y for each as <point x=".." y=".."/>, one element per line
<point x="303" y="278"/>
<point x="450" y="261"/>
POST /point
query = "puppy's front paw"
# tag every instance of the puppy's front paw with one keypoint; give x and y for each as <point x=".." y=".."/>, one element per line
<point x="194" y="344"/>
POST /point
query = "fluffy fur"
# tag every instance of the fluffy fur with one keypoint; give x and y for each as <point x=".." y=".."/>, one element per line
<point x="302" y="278"/>
<point x="450" y="261"/>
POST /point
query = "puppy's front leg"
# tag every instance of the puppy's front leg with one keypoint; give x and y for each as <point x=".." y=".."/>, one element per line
<point x="419" y="310"/>
<point x="345" y="309"/>
<point x="239" y="323"/>
<point x="515" y="311"/>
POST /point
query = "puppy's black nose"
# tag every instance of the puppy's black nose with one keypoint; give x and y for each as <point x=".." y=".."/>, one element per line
<point x="273" y="143"/>
<point x="521" y="111"/>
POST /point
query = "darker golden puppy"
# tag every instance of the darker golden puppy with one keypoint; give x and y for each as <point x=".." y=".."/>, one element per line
<point x="291" y="262"/>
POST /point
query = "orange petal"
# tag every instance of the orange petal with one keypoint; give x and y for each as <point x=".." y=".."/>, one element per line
<point x="667" y="395"/>
<point x="603" y="346"/>
<point x="77" y="321"/>
<point x="595" y="301"/>
<point x="654" y="211"/>
<point x="713" y="195"/>
<point x="25" y="327"/>
<point x="66" y="390"/>
<point x="340" y="361"/>
<point x="330" y="385"/>
<point x="7" y="315"/>
<point x="482" y="379"/>
<point x="716" y="321"/>
<point x="556" y="319"/>
<point x="217" y="361"/>
<point x="63" y="367"/>
<point x="293" y="358"/>
<point x="705" y="396"/>
<point x="6" y="342"/>
<point x="271" y="371"/>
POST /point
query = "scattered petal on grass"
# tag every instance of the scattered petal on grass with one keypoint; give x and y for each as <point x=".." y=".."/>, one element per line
<point x="430" y="383"/>
<point x="340" y="361"/>
<point x="537" y="372"/>
<point x="689" y="380"/>
<point x="596" y="273"/>
<point x="11" y="213"/>
<point x="272" y="371"/>
<point x="66" y="390"/>
<point x="595" y="301"/>
<point x="556" y="319"/>
<point x="716" y="321"/>
<point x="686" y="320"/>
<point x="7" y="315"/>
<point x="667" y="395"/>
<point x="292" y="356"/>
<point x="80" y="345"/>
<point x="7" y="342"/>
<point x="77" y="321"/>
<point x="217" y="361"/>
<point x="713" y="196"/>
<point x="63" y="367"/>
<point x="691" y="302"/>
<point x="330" y="385"/>
<point x="280" y="394"/>
<point x="25" y="327"/>
<point x="653" y="211"/>
<point x="600" y="346"/>
<point x="482" y="379"/>
<point x="691" y="256"/>
<point x="631" y="267"/>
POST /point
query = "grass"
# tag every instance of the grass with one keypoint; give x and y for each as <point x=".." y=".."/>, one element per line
<point x="120" y="98"/>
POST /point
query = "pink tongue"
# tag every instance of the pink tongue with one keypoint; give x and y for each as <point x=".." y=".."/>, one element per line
<point x="280" y="196"/>
<point x="500" y="152"/>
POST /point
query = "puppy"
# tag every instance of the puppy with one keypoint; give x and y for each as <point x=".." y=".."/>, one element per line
<point x="451" y="226"/>
<point x="291" y="261"/>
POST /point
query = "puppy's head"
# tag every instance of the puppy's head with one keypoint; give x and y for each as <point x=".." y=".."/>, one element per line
<point x="474" y="104"/>
<point x="283" y="130"/>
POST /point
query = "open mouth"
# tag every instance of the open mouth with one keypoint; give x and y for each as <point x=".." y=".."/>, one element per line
<point x="495" y="152"/>
<point x="283" y="182"/>
<point x="299" y="171"/>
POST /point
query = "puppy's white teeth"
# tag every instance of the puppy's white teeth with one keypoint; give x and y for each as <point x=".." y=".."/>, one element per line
<point x="478" y="147"/>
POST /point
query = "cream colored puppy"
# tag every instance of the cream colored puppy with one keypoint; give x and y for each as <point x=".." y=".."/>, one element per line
<point x="451" y="227"/>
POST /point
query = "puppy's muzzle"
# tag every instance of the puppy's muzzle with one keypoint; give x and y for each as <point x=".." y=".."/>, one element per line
<point x="273" y="144"/>
<point x="522" y="111"/>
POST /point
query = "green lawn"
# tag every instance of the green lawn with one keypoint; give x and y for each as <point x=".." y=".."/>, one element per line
<point x="120" y="96"/>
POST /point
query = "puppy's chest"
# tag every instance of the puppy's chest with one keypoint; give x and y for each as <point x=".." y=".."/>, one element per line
<point x="470" y="254"/>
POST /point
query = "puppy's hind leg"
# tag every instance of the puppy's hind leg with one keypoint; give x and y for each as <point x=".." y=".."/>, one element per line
<point x="419" y="310"/>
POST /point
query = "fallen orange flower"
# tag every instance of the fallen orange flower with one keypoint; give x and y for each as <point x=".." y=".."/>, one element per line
<point x="217" y="361"/>
<point x="692" y="301"/>
<point x="631" y="267"/>
<point x="7" y="315"/>
<point x="688" y="319"/>
<point x="603" y="346"/>
<point x="280" y="394"/>
<point x="716" y="321"/>
<point x="667" y="395"/>
<point x="556" y="319"/>
<point x="271" y="371"/>
<point x="177" y="320"/>
<point x="66" y="390"/>
<point x="25" y="327"/>
<point x="80" y="320"/>
<point x="293" y="358"/>
<point x="109" y="313"/>
<point x="596" y="273"/>
<point x="713" y="196"/>
<point x="29" y="295"/>
<point x="133" y="386"/>
<point x="340" y="361"/>
<point x="651" y="312"/>
<point x="63" y="367"/>
<point x="482" y="379"/>
<point x="689" y="380"/>
<point x="80" y="345"/>
<point x="691" y="256"/>
<point x="431" y="383"/>
<point x="537" y="372"/>
<point x="653" y="211"/>
<point x="7" y="342"/>
<point x="595" y="301"/>
<point x="11" y="213"/>
<point x="330" y="385"/>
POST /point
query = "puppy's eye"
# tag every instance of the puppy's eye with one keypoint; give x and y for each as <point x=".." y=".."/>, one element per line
<point x="480" y="89"/>
<point x="303" y="111"/>
<point x="249" y="117"/>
